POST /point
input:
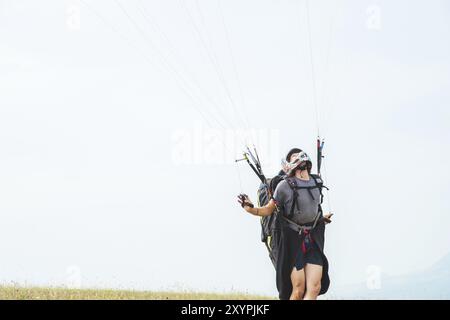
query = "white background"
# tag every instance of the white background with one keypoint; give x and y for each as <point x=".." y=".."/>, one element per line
<point x="91" y="116"/>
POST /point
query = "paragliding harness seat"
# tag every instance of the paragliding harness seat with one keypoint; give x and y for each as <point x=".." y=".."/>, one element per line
<point x="271" y="225"/>
<point x="318" y="184"/>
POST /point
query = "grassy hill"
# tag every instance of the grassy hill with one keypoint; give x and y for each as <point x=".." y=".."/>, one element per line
<point x="36" y="293"/>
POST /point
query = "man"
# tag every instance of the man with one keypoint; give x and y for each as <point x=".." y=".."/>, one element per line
<point x="302" y="268"/>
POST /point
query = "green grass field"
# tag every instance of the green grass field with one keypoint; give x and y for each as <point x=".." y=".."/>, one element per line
<point x="36" y="293"/>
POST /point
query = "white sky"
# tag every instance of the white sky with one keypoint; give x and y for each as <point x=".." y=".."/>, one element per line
<point x="108" y="166"/>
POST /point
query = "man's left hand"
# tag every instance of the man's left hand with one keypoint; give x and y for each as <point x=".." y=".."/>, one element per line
<point x="327" y="218"/>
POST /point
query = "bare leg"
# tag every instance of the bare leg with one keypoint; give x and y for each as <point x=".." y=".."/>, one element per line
<point x="313" y="275"/>
<point x="298" y="284"/>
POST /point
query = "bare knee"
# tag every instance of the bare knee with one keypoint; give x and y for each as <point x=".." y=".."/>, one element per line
<point x="298" y="291"/>
<point x="313" y="289"/>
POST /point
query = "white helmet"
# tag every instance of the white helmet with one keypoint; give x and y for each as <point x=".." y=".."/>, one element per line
<point x="296" y="160"/>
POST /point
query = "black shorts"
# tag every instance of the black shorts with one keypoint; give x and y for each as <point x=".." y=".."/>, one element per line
<point x="312" y="256"/>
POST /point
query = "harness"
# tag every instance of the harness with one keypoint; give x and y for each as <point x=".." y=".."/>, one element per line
<point x="303" y="229"/>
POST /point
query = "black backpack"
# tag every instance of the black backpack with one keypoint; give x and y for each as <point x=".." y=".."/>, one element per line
<point x="271" y="225"/>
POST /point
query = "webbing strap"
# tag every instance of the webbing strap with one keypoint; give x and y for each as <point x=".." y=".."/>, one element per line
<point x="306" y="188"/>
<point x="300" y="228"/>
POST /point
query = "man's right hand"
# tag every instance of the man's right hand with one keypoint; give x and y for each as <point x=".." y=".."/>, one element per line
<point x="245" y="202"/>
